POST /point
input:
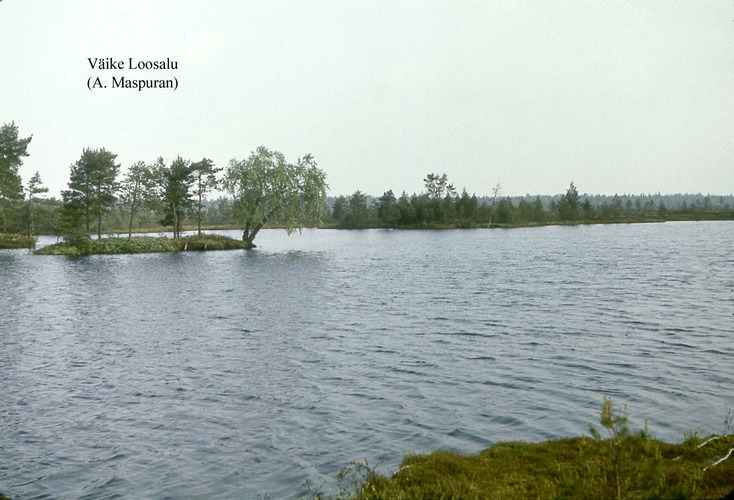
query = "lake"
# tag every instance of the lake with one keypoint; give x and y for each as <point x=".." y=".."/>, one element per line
<point x="245" y="373"/>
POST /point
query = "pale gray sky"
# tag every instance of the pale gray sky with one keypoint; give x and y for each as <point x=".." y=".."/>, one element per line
<point x="617" y="96"/>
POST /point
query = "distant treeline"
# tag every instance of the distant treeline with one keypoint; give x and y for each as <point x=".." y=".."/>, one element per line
<point x="267" y="191"/>
<point x="448" y="209"/>
<point x="420" y="210"/>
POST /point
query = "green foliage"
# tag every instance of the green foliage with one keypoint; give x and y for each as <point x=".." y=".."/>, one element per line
<point x="173" y="191"/>
<point x="12" y="151"/>
<point x="145" y="195"/>
<point x="387" y="209"/>
<point x="438" y="185"/>
<point x="466" y="209"/>
<point x="358" y="213"/>
<point x="92" y="188"/>
<point x="69" y="220"/>
<point x="504" y="212"/>
<point x="626" y="464"/>
<point x="265" y="185"/>
<point x="10" y="240"/>
<point x="83" y="245"/>
<point x="626" y="461"/>
<point x="204" y="173"/>
<point x="79" y="243"/>
<point x="34" y="187"/>
<point x="209" y="242"/>
<point x="692" y="438"/>
<point x="568" y="206"/>
<point x="137" y="190"/>
<point x="429" y="210"/>
<point x="352" y="481"/>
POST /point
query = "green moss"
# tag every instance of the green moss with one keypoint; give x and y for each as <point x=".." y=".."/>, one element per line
<point x="9" y="240"/>
<point x="108" y="246"/>
<point x="627" y="464"/>
<point x="575" y="468"/>
<point x="210" y="242"/>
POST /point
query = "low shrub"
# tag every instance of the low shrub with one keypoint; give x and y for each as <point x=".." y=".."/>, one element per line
<point x="10" y="240"/>
<point x="210" y="242"/>
<point x="108" y="246"/>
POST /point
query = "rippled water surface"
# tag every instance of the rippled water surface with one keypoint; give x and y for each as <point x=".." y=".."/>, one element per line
<point x="241" y="373"/>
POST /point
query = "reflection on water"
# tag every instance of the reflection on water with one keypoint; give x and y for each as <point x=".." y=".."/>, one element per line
<point x="232" y="374"/>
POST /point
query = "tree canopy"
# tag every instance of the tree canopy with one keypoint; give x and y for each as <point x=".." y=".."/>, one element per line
<point x="205" y="179"/>
<point x="92" y="186"/>
<point x="136" y="190"/>
<point x="568" y="206"/>
<point x="35" y="186"/>
<point x="265" y="185"/>
<point x="12" y="151"/>
<point x="173" y="185"/>
<point x="438" y="185"/>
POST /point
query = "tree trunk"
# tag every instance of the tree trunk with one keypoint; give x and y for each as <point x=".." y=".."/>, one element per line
<point x="246" y="232"/>
<point x="491" y="209"/>
<point x="99" y="214"/>
<point x="130" y="226"/>
<point x="175" y="221"/>
<point x="99" y="223"/>
<point x="198" y="216"/>
<point x="30" y="216"/>
<point x="254" y="232"/>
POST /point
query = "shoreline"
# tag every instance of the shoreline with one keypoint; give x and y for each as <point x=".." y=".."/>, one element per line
<point x="626" y="466"/>
<point x="143" y="244"/>
<point x="15" y="241"/>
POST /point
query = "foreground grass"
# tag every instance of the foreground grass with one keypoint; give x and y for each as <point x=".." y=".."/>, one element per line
<point x="9" y="240"/>
<point x="575" y="468"/>
<point x="626" y="465"/>
<point x="86" y="246"/>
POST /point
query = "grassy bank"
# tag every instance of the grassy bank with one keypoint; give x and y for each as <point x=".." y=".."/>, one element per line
<point x="87" y="246"/>
<point x="575" y="468"/>
<point x="624" y="465"/>
<point x="9" y="240"/>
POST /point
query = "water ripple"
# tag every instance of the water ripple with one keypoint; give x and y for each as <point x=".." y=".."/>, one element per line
<point x="234" y="374"/>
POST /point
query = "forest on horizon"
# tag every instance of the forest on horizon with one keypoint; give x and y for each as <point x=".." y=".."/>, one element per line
<point x="417" y="210"/>
<point x="267" y="191"/>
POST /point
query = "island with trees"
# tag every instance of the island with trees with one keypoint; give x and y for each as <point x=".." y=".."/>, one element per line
<point x="265" y="190"/>
<point x="263" y="187"/>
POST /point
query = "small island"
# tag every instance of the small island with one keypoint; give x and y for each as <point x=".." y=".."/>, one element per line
<point x="142" y="244"/>
<point x="265" y="190"/>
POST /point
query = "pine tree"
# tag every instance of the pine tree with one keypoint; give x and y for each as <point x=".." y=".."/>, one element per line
<point x="205" y="179"/>
<point x="12" y="151"/>
<point x="92" y="186"/>
<point x="35" y="186"/>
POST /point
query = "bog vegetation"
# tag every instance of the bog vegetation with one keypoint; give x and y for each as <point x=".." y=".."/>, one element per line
<point x="612" y="463"/>
<point x="265" y="190"/>
<point x="88" y="246"/>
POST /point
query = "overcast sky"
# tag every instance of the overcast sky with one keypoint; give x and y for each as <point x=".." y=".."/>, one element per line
<point x="617" y="96"/>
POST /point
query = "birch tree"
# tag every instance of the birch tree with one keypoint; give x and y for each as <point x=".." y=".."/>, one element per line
<point x="265" y="185"/>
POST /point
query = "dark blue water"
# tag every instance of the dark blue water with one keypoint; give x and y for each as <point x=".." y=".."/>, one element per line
<point x="245" y="373"/>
